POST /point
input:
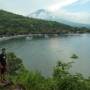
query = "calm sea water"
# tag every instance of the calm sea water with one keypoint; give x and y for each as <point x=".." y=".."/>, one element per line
<point x="43" y="54"/>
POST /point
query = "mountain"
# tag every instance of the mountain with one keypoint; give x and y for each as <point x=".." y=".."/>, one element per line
<point x="46" y="15"/>
<point x="42" y="14"/>
<point x="13" y="24"/>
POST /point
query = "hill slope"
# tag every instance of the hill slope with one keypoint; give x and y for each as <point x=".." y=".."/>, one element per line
<point x="11" y="24"/>
<point x="47" y="15"/>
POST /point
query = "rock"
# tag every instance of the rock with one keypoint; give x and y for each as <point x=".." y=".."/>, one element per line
<point x="74" y="56"/>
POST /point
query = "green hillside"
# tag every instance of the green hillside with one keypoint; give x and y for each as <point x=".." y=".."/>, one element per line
<point x="12" y="24"/>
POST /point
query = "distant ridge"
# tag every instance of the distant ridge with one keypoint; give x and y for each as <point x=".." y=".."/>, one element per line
<point x="46" y="15"/>
<point x="41" y="14"/>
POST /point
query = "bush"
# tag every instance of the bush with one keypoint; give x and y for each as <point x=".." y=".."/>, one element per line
<point x="61" y="79"/>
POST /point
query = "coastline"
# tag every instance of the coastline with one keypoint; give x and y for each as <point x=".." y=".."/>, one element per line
<point x="3" y="38"/>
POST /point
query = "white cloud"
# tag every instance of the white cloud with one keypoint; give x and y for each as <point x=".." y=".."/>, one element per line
<point x="60" y="4"/>
<point x="80" y="17"/>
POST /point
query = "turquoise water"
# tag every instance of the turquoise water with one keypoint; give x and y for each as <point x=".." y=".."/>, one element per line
<point x="43" y="54"/>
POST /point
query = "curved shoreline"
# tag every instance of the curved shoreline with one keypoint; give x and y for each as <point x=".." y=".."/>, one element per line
<point x="3" y="38"/>
<point x="11" y="37"/>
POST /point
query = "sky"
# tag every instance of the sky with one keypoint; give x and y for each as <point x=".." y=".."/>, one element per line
<point x="73" y="10"/>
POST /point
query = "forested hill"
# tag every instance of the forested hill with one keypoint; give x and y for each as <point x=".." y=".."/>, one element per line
<point x="12" y="24"/>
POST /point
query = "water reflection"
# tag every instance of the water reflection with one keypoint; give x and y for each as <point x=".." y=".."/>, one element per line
<point x="42" y="54"/>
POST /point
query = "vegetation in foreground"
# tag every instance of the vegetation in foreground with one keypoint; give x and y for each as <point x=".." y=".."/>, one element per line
<point x="60" y="80"/>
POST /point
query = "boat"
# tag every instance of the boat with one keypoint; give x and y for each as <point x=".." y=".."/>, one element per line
<point x="29" y="38"/>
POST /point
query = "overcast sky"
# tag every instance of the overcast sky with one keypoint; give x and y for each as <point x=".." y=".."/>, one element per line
<point x="76" y="10"/>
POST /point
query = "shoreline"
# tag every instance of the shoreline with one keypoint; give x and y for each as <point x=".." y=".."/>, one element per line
<point x="4" y="38"/>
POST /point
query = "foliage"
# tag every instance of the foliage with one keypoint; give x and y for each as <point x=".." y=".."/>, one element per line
<point x="14" y="64"/>
<point x="61" y="79"/>
<point x="67" y="81"/>
<point x="12" y="24"/>
<point x="74" y="56"/>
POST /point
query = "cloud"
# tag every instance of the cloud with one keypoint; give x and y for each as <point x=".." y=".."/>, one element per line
<point x="78" y="16"/>
<point x="60" y="4"/>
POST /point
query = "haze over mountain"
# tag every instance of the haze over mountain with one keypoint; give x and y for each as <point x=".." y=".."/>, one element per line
<point x="42" y="14"/>
<point x="47" y="15"/>
<point x="76" y="11"/>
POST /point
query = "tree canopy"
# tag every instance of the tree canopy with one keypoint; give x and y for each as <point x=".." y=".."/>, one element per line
<point x="12" y="24"/>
